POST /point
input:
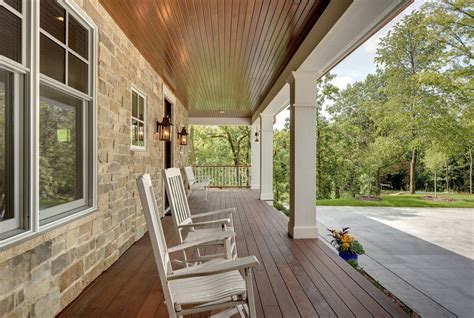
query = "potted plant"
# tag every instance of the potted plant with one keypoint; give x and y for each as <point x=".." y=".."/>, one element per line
<point x="347" y="246"/>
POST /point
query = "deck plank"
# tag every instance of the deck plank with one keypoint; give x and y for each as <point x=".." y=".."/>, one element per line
<point x="296" y="278"/>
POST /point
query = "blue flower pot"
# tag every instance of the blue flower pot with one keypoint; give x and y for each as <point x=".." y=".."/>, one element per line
<point x="349" y="256"/>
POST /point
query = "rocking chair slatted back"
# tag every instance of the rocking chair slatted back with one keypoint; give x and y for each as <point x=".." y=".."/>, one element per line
<point x="190" y="175"/>
<point x="177" y="197"/>
<point x="150" y="210"/>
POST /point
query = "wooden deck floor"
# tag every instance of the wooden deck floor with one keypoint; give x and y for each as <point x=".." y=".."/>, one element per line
<point x="295" y="277"/>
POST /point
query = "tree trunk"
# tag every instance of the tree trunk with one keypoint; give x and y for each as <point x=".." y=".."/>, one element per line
<point x="447" y="177"/>
<point x="470" y="169"/>
<point x="378" y="186"/>
<point x="412" y="172"/>
<point x="435" y="184"/>
<point x="337" y="192"/>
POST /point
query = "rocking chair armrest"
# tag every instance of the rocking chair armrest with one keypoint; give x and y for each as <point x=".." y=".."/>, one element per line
<point x="218" y="268"/>
<point x="226" y="222"/>
<point x="219" y="236"/>
<point x="210" y="213"/>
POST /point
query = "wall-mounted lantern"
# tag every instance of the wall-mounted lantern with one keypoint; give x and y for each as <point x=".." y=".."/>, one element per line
<point x="183" y="137"/>
<point x="256" y="137"/>
<point x="163" y="129"/>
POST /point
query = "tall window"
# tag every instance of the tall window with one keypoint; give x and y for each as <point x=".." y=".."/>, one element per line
<point x="64" y="111"/>
<point x="52" y="180"/>
<point x="138" y="127"/>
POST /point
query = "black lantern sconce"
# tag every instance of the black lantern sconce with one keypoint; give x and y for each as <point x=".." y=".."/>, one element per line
<point x="256" y="137"/>
<point x="163" y="129"/>
<point x="183" y="137"/>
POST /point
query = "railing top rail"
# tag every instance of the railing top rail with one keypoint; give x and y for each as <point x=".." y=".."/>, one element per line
<point x="221" y="166"/>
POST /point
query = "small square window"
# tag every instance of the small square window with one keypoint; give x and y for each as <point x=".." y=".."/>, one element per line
<point x="138" y="126"/>
<point x="52" y="59"/>
<point x="77" y="73"/>
<point x="10" y="35"/>
<point x="52" y="19"/>
<point x="78" y="37"/>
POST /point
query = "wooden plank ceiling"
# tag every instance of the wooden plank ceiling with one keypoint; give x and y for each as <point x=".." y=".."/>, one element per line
<point x="221" y="57"/>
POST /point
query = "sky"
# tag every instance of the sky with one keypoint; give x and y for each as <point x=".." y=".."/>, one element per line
<point x="359" y="63"/>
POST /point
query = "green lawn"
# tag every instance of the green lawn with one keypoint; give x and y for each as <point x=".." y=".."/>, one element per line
<point x="405" y="200"/>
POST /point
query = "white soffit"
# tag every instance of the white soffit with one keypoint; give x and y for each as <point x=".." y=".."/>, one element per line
<point x="358" y="23"/>
<point x="220" y="121"/>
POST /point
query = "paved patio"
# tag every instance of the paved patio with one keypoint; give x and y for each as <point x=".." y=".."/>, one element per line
<point x="423" y="256"/>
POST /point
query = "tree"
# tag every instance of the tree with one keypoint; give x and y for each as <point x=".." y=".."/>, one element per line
<point x="220" y="145"/>
<point x="408" y="55"/>
<point x="281" y="164"/>
<point x="325" y="91"/>
<point x="434" y="160"/>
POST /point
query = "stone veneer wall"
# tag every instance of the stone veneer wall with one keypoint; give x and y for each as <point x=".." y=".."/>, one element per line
<point x="43" y="275"/>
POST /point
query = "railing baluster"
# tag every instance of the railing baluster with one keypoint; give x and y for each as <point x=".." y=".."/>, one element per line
<point x="224" y="176"/>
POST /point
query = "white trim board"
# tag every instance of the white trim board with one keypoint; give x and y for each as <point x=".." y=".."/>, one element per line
<point x="220" y="121"/>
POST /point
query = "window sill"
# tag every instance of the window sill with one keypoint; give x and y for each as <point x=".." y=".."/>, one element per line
<point x="137" y="149"/>
<point x="29" y="234"/>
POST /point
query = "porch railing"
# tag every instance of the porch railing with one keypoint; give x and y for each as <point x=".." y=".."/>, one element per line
<point x="224" y="176"/>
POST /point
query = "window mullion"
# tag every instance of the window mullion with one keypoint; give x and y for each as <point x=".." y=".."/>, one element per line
<point x="33" y="138"/>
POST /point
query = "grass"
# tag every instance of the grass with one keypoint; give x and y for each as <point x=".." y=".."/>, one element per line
<point x="405" y="200"/>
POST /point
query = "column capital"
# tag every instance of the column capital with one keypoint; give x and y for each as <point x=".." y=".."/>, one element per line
<point x="266" y="123"/>
<point x="301" y="75"/>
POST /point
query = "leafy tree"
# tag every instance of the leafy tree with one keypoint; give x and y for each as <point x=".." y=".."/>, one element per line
<point x="408" y="55"/>
<point x="281" y="164"/>
<point x="220" y="145"/>
<point x="434" y="161"/>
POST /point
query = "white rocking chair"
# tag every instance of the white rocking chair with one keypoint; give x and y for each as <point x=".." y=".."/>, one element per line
<point x="183" y="220"/>
<point x="202" y="183"/>
<point x="217" y="284"/>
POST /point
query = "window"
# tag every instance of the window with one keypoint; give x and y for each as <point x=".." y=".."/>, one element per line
<point x="63" y="161"/>
<point x="64" y="46"/>
<point x="138" y="127"/>
<point x="47" y="141"/>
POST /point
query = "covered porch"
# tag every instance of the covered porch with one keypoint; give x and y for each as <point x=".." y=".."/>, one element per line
<point x="295" y="277"/>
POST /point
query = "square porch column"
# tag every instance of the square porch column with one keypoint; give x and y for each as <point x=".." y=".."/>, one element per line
<point x="302" y="223"/>
<point x="266" y="158"/>
<point x="255" y="157"/>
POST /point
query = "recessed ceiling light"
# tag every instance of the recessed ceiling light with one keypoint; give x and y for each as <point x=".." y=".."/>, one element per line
<point x="60" y="19"/>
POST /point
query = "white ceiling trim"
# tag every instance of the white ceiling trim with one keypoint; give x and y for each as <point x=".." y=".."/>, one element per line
<point x="220" y="121"/>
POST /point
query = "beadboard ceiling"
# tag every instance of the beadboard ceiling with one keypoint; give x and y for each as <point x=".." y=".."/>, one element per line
<point x="220" y="57"/>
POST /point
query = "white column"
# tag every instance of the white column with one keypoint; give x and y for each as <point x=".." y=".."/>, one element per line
<point x="266" y="158"/>
<point x="302" y="222"/>
<point x="255" y="156"/>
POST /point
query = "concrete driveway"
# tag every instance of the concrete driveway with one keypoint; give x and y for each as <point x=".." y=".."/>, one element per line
<point x="424" y="256"/>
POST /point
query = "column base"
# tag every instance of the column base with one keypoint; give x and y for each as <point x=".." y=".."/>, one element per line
<point x="303" y="232"/>
<point x="266" y="197"/>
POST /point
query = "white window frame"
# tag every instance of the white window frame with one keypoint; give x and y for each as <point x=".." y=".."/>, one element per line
<point x="30" y="65"/>
<point x="15" y="222"/>
<point x="144" y="121"/>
